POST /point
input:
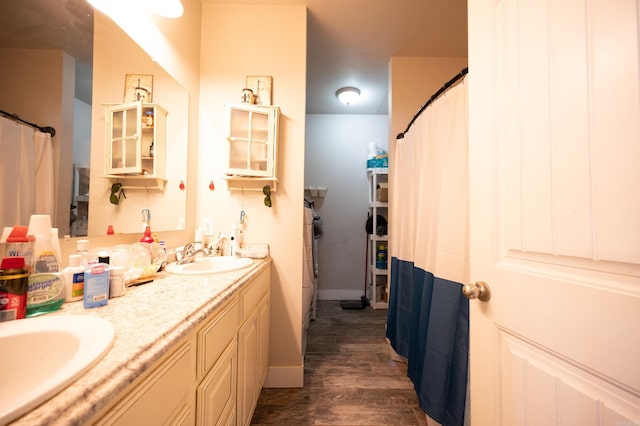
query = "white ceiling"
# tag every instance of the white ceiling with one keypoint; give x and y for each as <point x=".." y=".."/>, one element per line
<point x="349" y="42"/>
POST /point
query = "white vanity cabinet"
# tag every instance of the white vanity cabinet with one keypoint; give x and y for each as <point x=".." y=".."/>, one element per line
<point x="217" y="368"/>
<point x="253" y="346"/>
<point x="135" y="143"/>
<point x="252" y="135"/>
<point x="165" y="394"/>
<point x="212" y="376"/>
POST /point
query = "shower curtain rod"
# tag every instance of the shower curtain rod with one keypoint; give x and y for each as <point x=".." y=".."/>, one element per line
<point x="448" y="84"/>
<point x="15" y="117"/>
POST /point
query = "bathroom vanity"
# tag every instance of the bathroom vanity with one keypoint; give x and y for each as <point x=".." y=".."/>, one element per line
<point x="187" y="350"/>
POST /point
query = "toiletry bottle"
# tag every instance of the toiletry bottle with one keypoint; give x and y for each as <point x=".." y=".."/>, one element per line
<point x="14" y="279"/>
<point x="46" y="286"/>
<point x="20" y="244"/>
<point x="147" y="238"/>
<point x="117" y="281"/>
<point x="74" y="278"/>
<point x="82" y="248"/>
<point x="96" y="285"/>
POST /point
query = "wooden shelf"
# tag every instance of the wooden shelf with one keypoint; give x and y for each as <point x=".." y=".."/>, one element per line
<point x="250" y="183"/>
<point x="138" y="182"/>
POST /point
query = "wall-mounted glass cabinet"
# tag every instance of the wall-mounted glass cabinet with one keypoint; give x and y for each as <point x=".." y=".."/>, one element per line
<point x="135" y="143"/>
<point x="252" y="136"/>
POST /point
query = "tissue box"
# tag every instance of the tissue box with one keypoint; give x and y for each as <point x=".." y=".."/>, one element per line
<point x="374" y="163"/>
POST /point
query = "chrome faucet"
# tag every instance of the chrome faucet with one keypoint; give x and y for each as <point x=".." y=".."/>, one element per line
<point x="218" y="247"/>
<point x="191" y="250"/>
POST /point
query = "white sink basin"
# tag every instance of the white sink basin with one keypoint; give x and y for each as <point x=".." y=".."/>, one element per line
<point x="41" y="356"/>
<point x="210" y="265"/>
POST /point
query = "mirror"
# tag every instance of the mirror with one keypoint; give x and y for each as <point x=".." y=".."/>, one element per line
<point x="79" y="143"/>
<point x="115" y="56"/>
<point x="45" y="78"/>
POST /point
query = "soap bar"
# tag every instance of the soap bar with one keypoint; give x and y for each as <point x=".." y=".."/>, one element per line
<point x="96" y="285"/>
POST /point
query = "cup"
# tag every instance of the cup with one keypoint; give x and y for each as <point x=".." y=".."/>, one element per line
<point x="39" y="224"/>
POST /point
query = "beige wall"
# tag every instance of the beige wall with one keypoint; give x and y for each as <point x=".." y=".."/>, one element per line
<point x="241" y="40"/>
<point x="412" y="81"/>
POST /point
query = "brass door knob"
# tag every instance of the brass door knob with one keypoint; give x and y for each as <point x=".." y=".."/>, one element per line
<point x="480" y="290"/>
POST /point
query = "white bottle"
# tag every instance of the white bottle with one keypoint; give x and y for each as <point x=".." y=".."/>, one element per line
<point x="74" y="278"/>
<point x="117" y="281"/>
<point x="82" y="249"/>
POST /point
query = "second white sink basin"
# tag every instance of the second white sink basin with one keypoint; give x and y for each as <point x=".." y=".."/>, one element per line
<point x="41" y="356"/>
<point x="210" y="265"/>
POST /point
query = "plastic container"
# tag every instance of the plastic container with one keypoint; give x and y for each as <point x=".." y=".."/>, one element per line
<point x="117" y="281"/>
<point x="74" y="278"/>
<point x="381" y="256"/>
<point x="14" y="281"/>
<point x="46" y="285"/>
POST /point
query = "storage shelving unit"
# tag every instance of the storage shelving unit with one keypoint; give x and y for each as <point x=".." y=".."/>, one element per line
<point x="378" y="260"/>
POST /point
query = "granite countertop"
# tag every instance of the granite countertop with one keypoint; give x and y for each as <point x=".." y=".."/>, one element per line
<point x="147" y="320"/>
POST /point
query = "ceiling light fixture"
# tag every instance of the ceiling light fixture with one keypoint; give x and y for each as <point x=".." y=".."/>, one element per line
<point x="348" y="95"/>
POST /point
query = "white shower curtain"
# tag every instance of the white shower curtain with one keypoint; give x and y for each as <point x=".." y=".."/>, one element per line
<point x="428" y="315"/>
<point x="26" y="173"/>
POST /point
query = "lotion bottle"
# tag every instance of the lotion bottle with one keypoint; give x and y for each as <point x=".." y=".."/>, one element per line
<point x="74" y="278"/>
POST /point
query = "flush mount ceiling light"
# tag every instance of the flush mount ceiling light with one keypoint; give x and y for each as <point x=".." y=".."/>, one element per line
<point x="348" y="95"/>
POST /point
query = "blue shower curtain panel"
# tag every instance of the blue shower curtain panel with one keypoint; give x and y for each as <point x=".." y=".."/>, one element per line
<point x="428" y="323"/>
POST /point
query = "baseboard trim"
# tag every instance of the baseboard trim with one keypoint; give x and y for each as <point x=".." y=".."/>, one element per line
<point x="285" y="377"/>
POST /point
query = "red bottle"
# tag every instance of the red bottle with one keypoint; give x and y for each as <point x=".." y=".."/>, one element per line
<point x="147" y="238"/>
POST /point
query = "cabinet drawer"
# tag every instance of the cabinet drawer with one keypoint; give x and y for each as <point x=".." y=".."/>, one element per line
<point x="215" y="335"/>
<point x="250" y="297"/>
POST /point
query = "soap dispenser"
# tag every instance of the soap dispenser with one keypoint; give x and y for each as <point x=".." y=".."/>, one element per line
<point x="147" y="237"/>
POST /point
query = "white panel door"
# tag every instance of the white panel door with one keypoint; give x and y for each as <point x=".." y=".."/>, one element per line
<point x="554" y="116"/>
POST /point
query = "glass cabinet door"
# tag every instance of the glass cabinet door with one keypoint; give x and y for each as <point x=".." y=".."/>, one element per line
<point x="251" y="141"/>
<point x="123" y="142"/>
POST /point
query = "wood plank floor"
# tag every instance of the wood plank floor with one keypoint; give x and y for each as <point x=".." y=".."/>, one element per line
<point x="350" y="378"/>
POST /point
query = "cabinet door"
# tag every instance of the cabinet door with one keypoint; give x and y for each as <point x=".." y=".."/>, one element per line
<point x="251" y="141"/>
<point x="216" y="394"/>
<point x="124" y="150"/>
<point x="165" y="396"/>
<point x="247" y="368"/>
<point x="264" y="316"/>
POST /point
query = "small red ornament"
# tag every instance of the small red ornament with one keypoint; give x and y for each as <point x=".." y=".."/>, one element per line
<point x="181" y="185"/>
<point x="211" y="186"/>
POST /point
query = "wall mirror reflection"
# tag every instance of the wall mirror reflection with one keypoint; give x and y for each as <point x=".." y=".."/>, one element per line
<point x="60" y="67"/>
